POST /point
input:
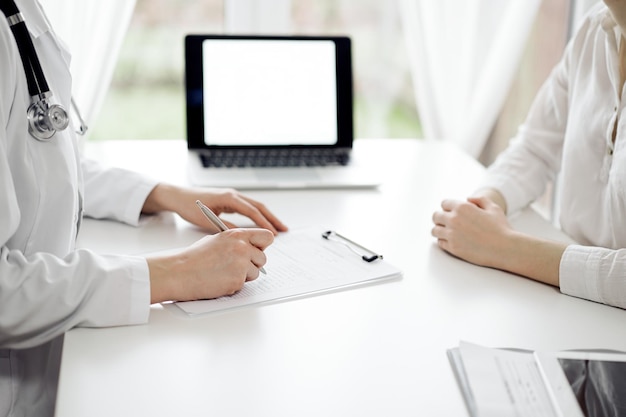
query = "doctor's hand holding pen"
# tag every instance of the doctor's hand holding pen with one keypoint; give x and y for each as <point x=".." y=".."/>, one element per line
<point x="215" y="265"/>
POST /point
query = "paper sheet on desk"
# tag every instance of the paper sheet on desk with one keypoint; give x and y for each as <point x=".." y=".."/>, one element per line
<point x="300" y="263"/>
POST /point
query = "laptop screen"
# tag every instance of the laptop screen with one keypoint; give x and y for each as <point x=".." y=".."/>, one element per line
<point x="255" y="91"/>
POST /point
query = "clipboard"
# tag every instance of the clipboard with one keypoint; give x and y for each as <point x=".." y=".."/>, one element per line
<point x="303" y="263"/>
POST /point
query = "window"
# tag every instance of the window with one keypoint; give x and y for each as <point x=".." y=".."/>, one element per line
<point x="146" y="98"/>
<point x="384" y="101"/>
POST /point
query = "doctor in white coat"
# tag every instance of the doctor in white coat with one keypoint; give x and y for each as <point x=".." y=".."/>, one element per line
<point x="47" y="286"/>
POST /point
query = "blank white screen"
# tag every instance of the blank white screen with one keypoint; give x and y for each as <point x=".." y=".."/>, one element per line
<point x="269" y="92"/>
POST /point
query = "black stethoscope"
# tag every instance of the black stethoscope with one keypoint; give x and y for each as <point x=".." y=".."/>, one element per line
<point x="44" y="118"/>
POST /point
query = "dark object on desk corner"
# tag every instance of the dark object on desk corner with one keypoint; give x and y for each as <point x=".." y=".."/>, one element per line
<point x="349" y="243"/>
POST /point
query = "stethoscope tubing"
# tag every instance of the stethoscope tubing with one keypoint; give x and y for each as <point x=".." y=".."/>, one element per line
<point x="44" y="119"/>
<point x="37" y="84"/>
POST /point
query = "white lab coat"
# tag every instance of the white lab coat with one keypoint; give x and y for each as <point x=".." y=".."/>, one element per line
<point x="46" y="286"/>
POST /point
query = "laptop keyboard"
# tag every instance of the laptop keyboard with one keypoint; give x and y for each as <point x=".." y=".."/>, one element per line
<point x="274" y="158"/>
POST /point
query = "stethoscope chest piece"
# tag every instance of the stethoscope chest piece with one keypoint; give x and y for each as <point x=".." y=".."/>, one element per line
<point x="44" y="120"/>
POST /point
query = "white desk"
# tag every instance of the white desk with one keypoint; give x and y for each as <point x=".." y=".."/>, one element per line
<point x="371" y="351"/>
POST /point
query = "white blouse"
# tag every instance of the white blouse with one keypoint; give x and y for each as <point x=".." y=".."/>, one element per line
<point x="569" y="131"/>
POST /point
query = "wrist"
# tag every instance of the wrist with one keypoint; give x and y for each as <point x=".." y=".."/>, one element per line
<point x="160" y="199"/>
<point x="502" y="250"/>
<point x="162" y="285"/>
<point x="493" y="195"/>
<point x="510" y="252"/>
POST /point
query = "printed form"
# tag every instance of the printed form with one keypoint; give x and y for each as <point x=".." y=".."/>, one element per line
<point x="300" y="263"/>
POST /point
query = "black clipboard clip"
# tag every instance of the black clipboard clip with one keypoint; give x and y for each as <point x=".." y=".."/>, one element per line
<point x="369" y="256"/>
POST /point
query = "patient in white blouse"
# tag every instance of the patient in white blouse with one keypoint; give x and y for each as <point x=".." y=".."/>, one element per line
<point x="575" y="128"/>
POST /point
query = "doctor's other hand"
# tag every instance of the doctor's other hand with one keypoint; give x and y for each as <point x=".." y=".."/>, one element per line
<point x="475" y="230"/>
<point x="182" y="201"/>
<point x="214" y="266"/>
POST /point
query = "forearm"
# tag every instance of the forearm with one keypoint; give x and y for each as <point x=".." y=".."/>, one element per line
<point x="477" y="231"/>
<point x="530" y="257"/>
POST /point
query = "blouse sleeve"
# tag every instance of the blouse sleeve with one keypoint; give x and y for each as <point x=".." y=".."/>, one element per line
<point x="531" y="161"/>
<point x="533" y="158"/>
<point x="595" y="274"/>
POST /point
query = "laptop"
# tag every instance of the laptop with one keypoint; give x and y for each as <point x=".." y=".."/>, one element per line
<point x="266" y="112"/>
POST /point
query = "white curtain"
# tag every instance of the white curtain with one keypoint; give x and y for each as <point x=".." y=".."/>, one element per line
<point x="463" y="56"/>
<point x="93" y="30"/>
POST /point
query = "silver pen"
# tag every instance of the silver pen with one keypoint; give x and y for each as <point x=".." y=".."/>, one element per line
<point x="216" y="221"/>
